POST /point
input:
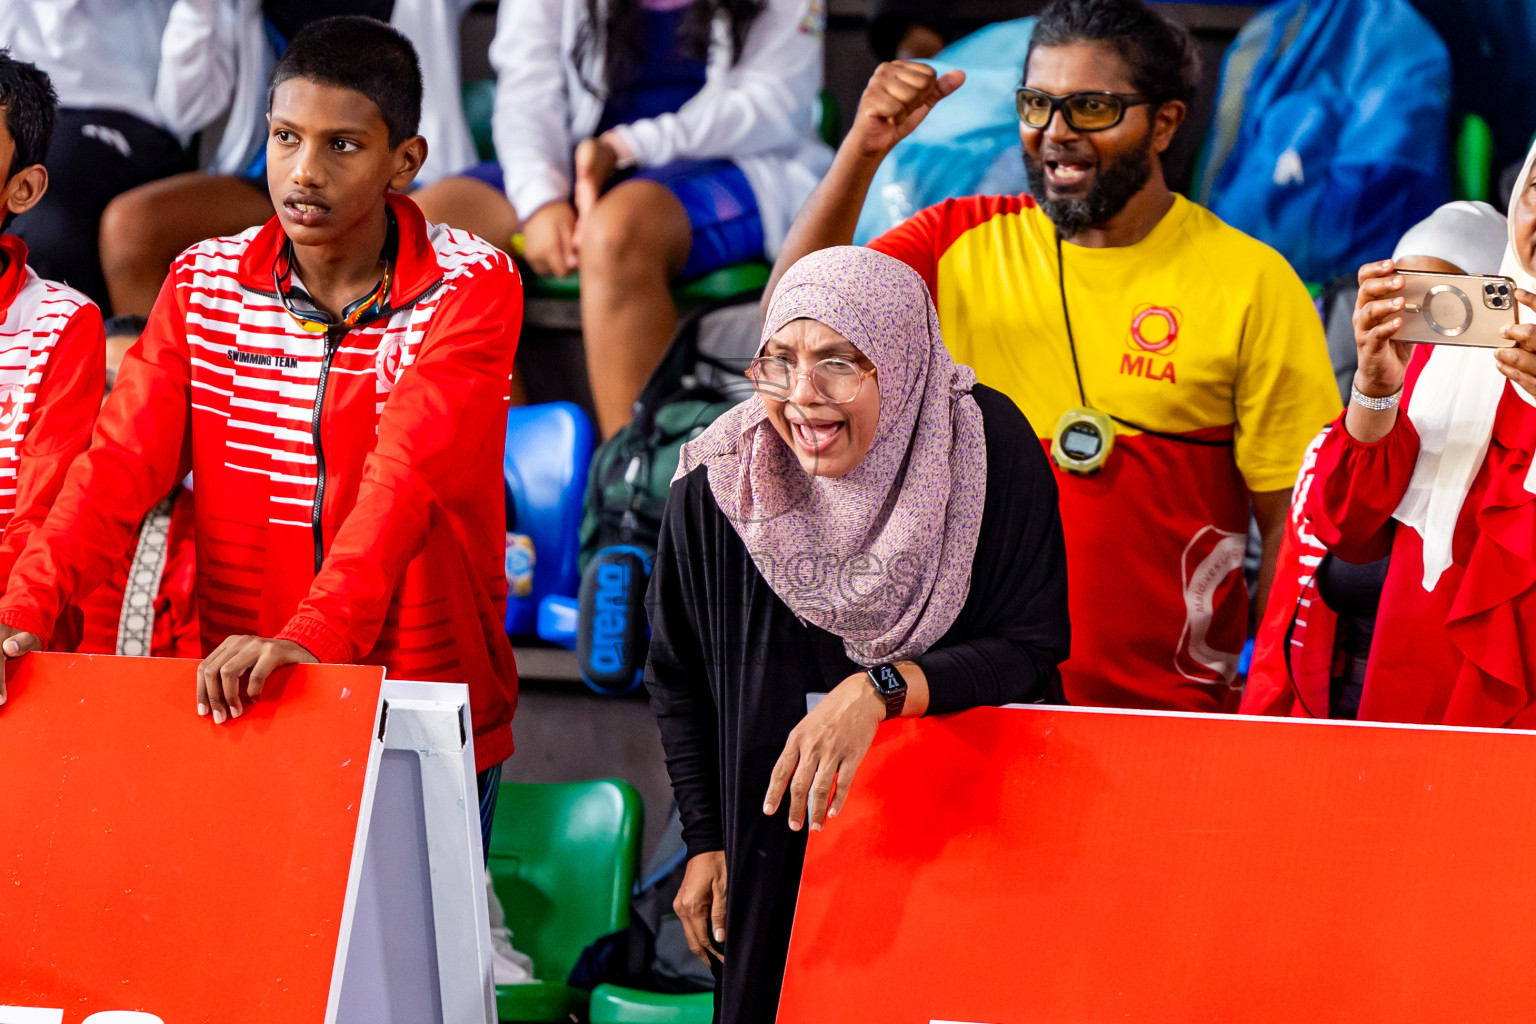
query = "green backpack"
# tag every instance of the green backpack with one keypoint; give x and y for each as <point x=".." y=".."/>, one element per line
<point x="632" y="471"/>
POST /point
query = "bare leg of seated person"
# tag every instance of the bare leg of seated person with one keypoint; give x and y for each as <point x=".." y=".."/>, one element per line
<point x="145" y="228"/>
<point x="632" y="244"/>
<point x="470" y="205"/>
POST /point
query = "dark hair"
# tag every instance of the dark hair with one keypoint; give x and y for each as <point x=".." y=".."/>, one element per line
<point x="364" y="55"/>
<point x="30" y="105"/>
<point x="1160" y="53"/>
<point x="622" y="36"/>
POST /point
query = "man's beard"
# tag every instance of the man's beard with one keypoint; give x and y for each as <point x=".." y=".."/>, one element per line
<point x="1113" y="187"/>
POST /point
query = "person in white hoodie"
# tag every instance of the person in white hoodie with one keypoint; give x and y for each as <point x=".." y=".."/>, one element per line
<point x="145" y="228"/>
<point x="639" y="142"/>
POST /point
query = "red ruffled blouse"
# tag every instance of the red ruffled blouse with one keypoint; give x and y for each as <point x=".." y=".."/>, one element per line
<point x="1465" y="653"/>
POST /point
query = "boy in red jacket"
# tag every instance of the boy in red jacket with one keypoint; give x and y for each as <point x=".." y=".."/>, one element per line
<point x="51" y="345"/>
<point x="337" y="383"/>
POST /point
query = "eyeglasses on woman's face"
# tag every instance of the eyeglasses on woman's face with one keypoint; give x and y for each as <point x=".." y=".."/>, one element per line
<point x="1083" y="111"/>
<point x="836" y="380"/>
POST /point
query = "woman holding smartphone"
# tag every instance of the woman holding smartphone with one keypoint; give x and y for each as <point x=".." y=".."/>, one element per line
<point x="1313" y="647"/>
<point x="1432" y="462"/>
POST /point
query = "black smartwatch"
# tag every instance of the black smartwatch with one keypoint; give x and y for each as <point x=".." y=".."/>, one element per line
<point x="891" y="687"/>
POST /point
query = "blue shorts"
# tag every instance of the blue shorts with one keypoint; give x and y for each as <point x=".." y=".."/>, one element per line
<point x="721" y="208"/>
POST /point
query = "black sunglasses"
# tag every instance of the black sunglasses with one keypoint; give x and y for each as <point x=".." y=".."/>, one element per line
<point x="1083" y="111"/>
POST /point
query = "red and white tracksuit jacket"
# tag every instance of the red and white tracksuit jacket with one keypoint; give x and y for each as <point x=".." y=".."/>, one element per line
<point x="52" y="374"/>
<point x="349" y="484"/>
<point x="1292" y="664"/>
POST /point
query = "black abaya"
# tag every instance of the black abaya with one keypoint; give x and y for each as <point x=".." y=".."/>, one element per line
<point x="730" y="667"/>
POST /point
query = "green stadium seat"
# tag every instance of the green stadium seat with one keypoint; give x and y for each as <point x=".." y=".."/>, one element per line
<point x="612" y="1004"/>
<point x="563" y="859"/>
<point x="829" y="118"/>
<point x="1473" y="172"/>
<point x="730" y="282"/>
<point x="479" y="98"/>
<point x="544" y="1001"/>
<point x="568" y="288"/>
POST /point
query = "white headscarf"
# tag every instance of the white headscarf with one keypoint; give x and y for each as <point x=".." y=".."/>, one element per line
<point x="1457" y="396"/>
<point x="1472" y="236"/>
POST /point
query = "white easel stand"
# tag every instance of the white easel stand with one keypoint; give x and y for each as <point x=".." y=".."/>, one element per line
<point x="415" y="933"/>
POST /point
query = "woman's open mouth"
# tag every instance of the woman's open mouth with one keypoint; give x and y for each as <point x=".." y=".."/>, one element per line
<point x="815" y="438"/>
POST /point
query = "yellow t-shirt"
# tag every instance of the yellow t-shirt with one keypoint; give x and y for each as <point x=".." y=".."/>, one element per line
<point x="1199" y="334"/>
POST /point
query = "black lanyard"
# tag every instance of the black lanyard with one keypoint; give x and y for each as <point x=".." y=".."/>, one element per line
<point x="1061" y="278"/>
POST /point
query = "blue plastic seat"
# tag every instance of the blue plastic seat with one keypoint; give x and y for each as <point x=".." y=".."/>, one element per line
<point x="548" y="451"/>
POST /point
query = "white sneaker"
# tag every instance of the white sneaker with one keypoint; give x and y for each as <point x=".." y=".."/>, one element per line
<point x="508" y="966"/>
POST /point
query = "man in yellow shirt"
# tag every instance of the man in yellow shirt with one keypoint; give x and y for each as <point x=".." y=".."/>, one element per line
<point x="1174" y="367"/>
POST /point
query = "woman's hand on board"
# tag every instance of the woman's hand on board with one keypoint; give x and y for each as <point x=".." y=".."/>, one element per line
<point x="824" y="752"/>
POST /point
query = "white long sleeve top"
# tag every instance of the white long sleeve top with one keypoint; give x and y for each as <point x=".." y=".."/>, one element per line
<point x="168" y="62"/>
<point x="759" y="111"/>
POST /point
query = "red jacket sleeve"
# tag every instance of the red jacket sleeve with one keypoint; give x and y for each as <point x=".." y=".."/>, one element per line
<point x="177" y="632"/>
<point x="137" y="453"/>
<point x="59" y="428"/>
<point x="1357" y="488"/>
<point x="451" y="401"/>
<point x="1269" y="690"/>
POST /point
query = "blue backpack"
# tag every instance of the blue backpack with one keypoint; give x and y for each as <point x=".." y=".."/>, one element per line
<point x="1330" y="133"/>
<point x="969" y="143"/>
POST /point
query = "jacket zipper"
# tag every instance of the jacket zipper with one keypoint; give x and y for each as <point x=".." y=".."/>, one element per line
<point x="333" y="337"/>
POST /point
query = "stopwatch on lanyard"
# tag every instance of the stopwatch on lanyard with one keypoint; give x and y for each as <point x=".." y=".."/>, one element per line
<point x="1084" y="436"/>
<point x="1083" y="440"/>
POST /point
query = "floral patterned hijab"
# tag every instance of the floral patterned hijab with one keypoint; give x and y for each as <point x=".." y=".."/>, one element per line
<point x="881" y="556"/>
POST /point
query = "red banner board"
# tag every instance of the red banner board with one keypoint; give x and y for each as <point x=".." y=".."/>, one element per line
<point x="152" y="861"/>
<point x="1056" y="866"/>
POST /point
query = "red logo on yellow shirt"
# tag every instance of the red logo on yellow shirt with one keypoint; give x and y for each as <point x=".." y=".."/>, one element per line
<point x="1155" y="331"/>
